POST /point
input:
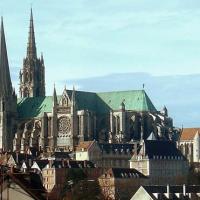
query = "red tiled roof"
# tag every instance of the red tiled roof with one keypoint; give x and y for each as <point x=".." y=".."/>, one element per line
<point x="84" y="145"/>
<point x="189" y="133"/>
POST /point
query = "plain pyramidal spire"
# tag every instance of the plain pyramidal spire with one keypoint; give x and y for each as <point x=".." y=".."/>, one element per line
<point x="31" y="48"/>
<point x="5" y="80"/>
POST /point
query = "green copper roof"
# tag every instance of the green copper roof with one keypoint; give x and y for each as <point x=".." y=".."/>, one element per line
<point x="136" y="100"/>
<point x="34" y="106"/>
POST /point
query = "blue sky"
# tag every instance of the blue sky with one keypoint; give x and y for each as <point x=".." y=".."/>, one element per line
<point x="81" y="39"/>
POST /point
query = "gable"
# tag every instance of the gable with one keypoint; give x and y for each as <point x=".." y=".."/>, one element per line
<point x="35" y="166"/>
<point x="24" y="165"/>
<point x="11" y="161"/>
<point x="65" y="100"/>
<point x="142" y="194"/>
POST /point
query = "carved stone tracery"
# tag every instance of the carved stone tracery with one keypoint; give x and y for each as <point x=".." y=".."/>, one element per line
<point x="64" y="126"/>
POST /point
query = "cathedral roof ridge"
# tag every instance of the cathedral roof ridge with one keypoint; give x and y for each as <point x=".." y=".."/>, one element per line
<point x="136" y="100"/>
<point x="117" y="91"/>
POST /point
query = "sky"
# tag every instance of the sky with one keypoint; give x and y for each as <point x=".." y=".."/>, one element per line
<point x="94" y="40"/>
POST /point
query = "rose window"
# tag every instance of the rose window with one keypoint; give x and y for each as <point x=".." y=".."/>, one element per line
<point x="64" y="125"/>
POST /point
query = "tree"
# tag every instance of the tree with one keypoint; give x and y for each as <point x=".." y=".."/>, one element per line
<point x="78" y="187"/>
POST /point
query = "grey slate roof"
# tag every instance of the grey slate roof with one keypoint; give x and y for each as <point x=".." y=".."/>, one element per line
<point x="162" y="148"/>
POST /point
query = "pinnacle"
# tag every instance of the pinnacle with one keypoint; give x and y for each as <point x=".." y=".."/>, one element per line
<point x="31" y="49"/>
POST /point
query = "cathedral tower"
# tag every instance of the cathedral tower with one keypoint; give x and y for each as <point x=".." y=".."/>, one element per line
<point x="32" y="75"/>
<point x="8" y="99"/>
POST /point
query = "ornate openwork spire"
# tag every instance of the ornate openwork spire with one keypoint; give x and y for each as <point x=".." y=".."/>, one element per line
<point x="31" y="47"/>
<point x="5" y="80"/>
<point x="32" y="75"/>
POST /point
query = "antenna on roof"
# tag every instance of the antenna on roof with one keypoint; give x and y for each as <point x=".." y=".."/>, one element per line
<point x="143" y="86"/>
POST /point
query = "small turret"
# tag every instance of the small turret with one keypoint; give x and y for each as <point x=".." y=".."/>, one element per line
<point x="73" y="101"/>
<point x="196" y="147"/>
<point x="42" y="58"/>
<point x="164" y="111"/>
<point x="122" y="106"/>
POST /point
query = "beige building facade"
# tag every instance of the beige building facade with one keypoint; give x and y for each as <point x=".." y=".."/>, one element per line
<point x="120" y="183"/>
<point x="106" y="155"/>
<point x="162" y="162"/>
<point x="189" y="144"/>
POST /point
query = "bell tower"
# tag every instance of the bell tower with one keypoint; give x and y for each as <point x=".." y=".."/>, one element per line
<point x="32" y="74"/>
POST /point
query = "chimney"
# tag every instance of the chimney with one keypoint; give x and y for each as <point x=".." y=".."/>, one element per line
<point x="168" y="192"/>
<point x="184" y="190"/>
<point x="50" y="163"/>
<point x="29" y="162"/>
<point x="12" y="169"/>
<point x="68" y="164"/>
<point x="17" y="158"/>
<point x="85" y="163"/>
<point x="63" y="163"/>
<point x="135" y="148"/>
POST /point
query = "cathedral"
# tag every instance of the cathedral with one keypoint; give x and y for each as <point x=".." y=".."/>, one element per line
<point x="61" y="122"/>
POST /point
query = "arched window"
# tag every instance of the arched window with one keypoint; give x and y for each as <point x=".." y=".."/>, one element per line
<point x="26" y="92"/>
<point x="64" y="102"/>
<point x="26" y="77"/>
<point x="30" y="77"/>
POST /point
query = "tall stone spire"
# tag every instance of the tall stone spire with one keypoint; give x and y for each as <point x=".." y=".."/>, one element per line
<point x="32" y="74"/>
<point x="8" y="100"/>
<point x="5" y="80"/>
<point x="31" y="47"/>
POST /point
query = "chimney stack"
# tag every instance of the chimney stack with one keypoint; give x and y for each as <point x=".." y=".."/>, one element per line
<point x="168" y="191"/>
<point x="184" y="190"/>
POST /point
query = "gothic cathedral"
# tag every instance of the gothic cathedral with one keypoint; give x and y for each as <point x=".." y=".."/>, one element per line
<point x="60" y="122"/>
